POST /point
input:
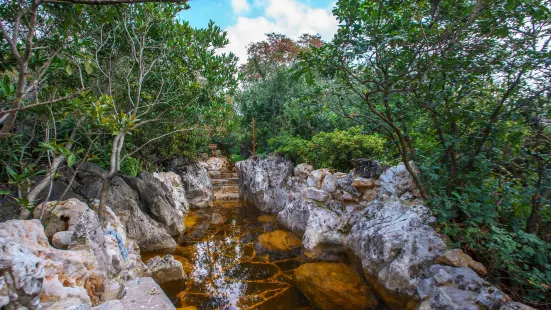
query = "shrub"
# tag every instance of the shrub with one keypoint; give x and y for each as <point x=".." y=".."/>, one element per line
<point x="331" y="149"/>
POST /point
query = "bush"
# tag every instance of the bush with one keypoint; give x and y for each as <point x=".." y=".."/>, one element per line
<point x="331" y="149"/>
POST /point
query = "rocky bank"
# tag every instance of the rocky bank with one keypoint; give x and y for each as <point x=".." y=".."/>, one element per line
<point x="378" y="218"/>
<point x="68" y="261"/>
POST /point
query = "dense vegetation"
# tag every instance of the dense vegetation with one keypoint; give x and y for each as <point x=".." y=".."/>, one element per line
<point x="459" y="89"/>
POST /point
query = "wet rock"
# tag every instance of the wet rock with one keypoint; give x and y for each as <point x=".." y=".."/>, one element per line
<point x="367" y="168"/>
<point x="334" y="286"/>
<point x="263" y="183"/>
<point x="315" y="194"/>
<point x="217" y="219"/>
<point x="196" y="181"/>
<point x="62" y="239"/>
<point x="303" y="170"/>
<point x="267" y="219"/>
<point x="458" y="258"/>
<point x="165" y="269"/>
<point x="279" y="241"/>
<point x="329" y="183"/>
<point x="36" y="269"/>
<point x="315" y="178"/>
<point x="60" y="215"/>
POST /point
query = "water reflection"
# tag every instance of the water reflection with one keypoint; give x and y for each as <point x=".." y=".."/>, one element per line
<point x="225" y="270"/>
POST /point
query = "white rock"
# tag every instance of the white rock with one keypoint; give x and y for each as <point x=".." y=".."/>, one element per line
<point x="329" y="183"/>
<point x="315" y="194"/>
<point x="62" y="239"/>
<point x="315" y="178"/>
<point x="303" y="170"/>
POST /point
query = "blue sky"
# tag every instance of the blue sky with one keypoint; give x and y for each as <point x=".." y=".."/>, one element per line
<point x="247" y="21"/>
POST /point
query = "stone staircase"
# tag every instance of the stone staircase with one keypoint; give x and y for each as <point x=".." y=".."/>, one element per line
<point x="226" y="189"/>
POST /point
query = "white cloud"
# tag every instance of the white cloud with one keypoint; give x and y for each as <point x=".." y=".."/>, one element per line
<point x="289" y="17"/>
<point x="240" y="6"/>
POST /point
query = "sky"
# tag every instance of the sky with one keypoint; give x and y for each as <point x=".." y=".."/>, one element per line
<point x="247" y="21"/>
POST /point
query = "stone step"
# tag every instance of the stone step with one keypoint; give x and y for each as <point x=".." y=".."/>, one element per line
<point x="233" y="181"/>
<point x="225" y="189"/>
<point x="228" y="203"/>
<point x="226" y="196"/>
<point x="229" y="175"/>
<point x="219" y="182"/>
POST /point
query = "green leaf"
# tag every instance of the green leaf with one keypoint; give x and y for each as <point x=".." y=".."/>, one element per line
<point x="11" y="172"/>
<point x="69" y="70"/>
<point x="71" y="159"/>
<point x="4" y="192"/>
<point x="88" y="67"/>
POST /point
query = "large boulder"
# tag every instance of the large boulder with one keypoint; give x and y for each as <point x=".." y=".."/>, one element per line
<point x="137" y="215"/>
<point x="174" y="184"/>
<point x="195" y="180"/>
<point x="37" y="273"/>
<point x="60" y="215"/>
<point x="397" y="182"/>
<point x="334" y="286"/>
<point x="165" y="269"/>
<point x="264" y="182"/>
<point x="395" y="242"/>
<point x="158" y="201"/>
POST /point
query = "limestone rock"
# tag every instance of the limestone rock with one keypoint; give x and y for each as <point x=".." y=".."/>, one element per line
<point x="196" y="181"/>
<point x="110" y="305"/>
<point x="303" y="170"/>
<point x="174" y="184"/>
<point x="218" y="164"/>
<point x="264" y="182"/>
<point x="515" y="306"/>
<point x="157" y="199"/>
<point x="315" y="178"/>
<point x="397" y="182"/>
<point x="144" y="293"/>
<point x="364" y="183"/>
<point x="315" y="194"/>
<point x="165" y="269"/>
<point x="62" y="239"/>
<point x="367" y="168"/>
<point x="36" y="269"/>
<point x="334" y="286"/>
<point x="459" y="288"/>
<point x="67" y="304"/>
<point x="458" y="258"/>
<point x="394" y="243"/>
<point x="296" y="214"/>
<point x="345" y="183"/>
<point x="279" y="241"/>
<point x="329" y="183"/>
<point x="60" y="215"/>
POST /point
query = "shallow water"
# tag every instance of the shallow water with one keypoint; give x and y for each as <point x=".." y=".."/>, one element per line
<point x="226" y="271"/>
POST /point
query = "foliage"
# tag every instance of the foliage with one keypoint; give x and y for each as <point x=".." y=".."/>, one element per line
<point x="331" y="149"/>
<point x="459" y="91"/>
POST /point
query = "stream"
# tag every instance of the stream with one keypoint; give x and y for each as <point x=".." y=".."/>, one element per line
<point x="226" y="267"/>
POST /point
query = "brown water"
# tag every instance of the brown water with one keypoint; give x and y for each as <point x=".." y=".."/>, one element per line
<point x="226" y="269"/>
